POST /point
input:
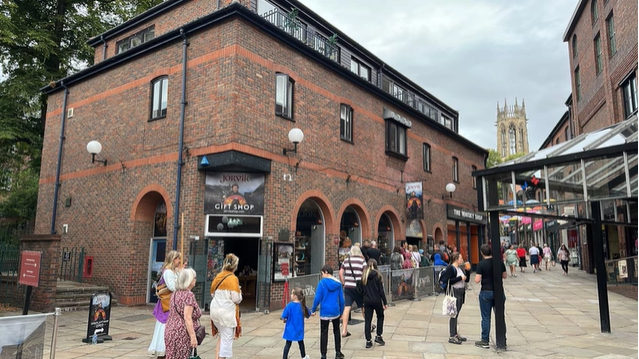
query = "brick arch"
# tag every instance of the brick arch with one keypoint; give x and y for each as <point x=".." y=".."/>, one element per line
<point x="439" y="226"/>
<point x="361" y="211"/>
<point x="400" y="233"/>
<point x="323" y="203"/>
<point x="146" y="202"/>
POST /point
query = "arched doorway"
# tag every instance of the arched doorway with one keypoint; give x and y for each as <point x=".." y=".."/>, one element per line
<point x="351" y="224"/>
<point x="309" y="239"/>
<point x="385" y="237"/>
<point x="439" y="236"/>
<point x="158" y="249"/>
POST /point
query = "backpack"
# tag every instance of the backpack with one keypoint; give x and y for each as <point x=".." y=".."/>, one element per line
<point x="442" y="280"/>
<point x="445" y="257"/>
<point x="425" y="262"/>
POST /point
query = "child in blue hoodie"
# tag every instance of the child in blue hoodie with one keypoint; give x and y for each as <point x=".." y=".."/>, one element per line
<point x="293" y="317"/>
<point x="330" y="297"/>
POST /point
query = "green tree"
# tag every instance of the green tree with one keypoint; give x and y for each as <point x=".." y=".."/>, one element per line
<point x="493" y="158"/>
<point x="42" y="41"/>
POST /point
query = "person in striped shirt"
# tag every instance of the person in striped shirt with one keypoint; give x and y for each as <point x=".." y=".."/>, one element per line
<point x="351" y="271"/>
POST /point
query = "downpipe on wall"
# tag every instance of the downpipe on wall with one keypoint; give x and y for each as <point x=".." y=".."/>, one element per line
<point x="59" y="163"/>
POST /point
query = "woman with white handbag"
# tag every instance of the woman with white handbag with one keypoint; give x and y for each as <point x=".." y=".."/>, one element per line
<point x="456" y="278"/>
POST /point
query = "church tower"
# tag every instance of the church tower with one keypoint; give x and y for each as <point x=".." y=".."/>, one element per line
<point x="512" y="129"/>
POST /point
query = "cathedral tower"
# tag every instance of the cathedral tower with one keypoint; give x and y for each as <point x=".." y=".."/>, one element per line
<point x="512" y="129"/>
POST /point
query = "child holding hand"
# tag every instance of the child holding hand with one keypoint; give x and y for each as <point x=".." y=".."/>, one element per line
<point x="293" y="318"/>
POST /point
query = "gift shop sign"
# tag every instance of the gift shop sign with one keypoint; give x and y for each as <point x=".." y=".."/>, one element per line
<point x="234" y="193"/>
<point x="30" y="268"/>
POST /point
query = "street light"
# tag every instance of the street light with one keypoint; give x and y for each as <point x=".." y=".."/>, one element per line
<point x="94" y="148"/>
<point x="296" y="136"/>
<point x="450" y="188"/>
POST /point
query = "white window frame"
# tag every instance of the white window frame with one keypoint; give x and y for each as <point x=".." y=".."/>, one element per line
<point x="346" y="123"/>
<point x="159" y="97"/>
<point x="284" y="88"/>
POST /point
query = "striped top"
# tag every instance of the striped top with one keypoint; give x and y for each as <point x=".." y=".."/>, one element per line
<point x="357" y="264"/>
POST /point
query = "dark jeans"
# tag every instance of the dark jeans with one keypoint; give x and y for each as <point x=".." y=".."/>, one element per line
<point x="324" y="335"/>
<point x="460" y="294"/>
<point x="486" y="305"/>
<point x="368" y="318"/>
<point x="287" y="347"/>
<point x="564" y="266"/>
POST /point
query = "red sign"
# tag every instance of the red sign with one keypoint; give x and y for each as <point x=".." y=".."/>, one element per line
<point x="30" y="268"/>
<point x="284" y="267"/>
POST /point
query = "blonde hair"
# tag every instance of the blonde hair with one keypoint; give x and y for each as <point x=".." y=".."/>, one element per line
<point x="170" y="257"/>
<point x="185" y="278"/>
<point x="370" y="267"/>
<point x="356" y="251"/>
<point x="347" y="242"/>
<point x="230" y="262"/>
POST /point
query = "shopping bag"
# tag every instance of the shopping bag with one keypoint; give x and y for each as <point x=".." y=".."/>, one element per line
<point x="194" y="354"/>
<point x="449" y="304"/>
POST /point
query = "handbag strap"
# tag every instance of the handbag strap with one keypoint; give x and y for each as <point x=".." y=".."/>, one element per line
<point x="218" y="285"/>
<point x="350" y="265"/>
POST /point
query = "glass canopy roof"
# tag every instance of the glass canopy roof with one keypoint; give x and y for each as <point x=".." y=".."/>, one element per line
<point x="562" y="180"/>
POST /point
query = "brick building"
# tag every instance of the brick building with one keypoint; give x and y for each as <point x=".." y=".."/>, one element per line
<point x="192" y="105"/>
<point x="602" y="46"/>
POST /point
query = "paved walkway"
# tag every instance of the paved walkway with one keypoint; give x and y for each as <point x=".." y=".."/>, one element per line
<point x="547" y="315"/>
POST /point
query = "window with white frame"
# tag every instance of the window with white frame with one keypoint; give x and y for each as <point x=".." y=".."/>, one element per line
<point x="135" y="40"/>
<point x="346" y="123"/>
<point x="629" y="88"/>
<point x="426" y="154"/>
<point x="455" y="169"/>
<point x="360" y="69"/>
<point x="284" y="95"/>
<point x="612" y="42"/>
<point x="159" y="97"/>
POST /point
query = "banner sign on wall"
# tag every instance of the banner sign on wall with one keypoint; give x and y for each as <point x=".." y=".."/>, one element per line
<point x="234" y="193"/>
<point x="414" y="201"/>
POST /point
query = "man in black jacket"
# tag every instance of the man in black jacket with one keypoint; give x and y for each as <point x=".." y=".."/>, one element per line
<point x="484" y="275"/>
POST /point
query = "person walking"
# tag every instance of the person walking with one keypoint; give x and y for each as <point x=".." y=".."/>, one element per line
<point x="456" y="277"/>
<point x="374" y="252"/>
<point x="484" y="275"/>
<point x="330" y="298"/>
<point x="351" y="271"/>
<point x="168" y="275"/>
<point x="563" y="255"/>
<point x="521" y="253"/>
<point x="225" y="306"/>
<point x="547" y="252"/>
<point x="293" y="317"/>
<point x="512" y="259"/>
<point x="534" y="257"/>
<point x="396" y="259"/>
<point x="372" y="286"/>
<point x="416" y="257"/>
<point x="184" y="318"/>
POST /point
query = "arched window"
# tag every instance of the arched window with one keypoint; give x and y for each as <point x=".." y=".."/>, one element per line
<point x="159" y="97"/>
<point x="159" y="229"/>
<point x="512" y="134"/>
<point x="521" y="140"/>
<point x="504" y="145"/>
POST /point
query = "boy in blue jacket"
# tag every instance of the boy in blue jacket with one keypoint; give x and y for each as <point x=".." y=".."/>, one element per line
<point x="330" y="297"/>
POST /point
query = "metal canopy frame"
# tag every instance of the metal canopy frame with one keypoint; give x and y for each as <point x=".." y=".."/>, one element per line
<point x="580" y="173"/>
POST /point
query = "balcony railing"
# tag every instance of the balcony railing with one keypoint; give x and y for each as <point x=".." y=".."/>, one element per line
<point x="300" y="31"/>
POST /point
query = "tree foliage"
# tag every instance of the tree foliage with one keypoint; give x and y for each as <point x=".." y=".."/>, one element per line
<point x="42" y="41"/>
<point x="494" y="158"/>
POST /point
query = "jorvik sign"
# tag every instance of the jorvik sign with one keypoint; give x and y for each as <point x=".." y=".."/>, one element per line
<point x="465" y="215"/>
<point x="234" y="193"/>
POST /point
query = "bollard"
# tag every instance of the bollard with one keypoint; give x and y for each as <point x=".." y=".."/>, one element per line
<point x="54" y="338"/>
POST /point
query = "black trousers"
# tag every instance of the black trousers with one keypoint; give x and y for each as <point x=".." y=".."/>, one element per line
<point x="564" y="266"/>
<point x="324" y="335"/>
<point x="368" y="318"/>
<point x="460" y="294"/>
<point x="287" y="347"/>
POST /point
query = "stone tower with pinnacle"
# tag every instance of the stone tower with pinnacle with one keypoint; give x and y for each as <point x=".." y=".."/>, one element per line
<point x="512" y="129"/>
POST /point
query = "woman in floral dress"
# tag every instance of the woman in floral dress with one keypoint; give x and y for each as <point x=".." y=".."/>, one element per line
<point x="184" y="316"/>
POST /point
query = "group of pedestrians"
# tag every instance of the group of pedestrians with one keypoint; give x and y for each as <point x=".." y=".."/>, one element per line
<point x="178" y="330"/>
<point x="537" y="255"/>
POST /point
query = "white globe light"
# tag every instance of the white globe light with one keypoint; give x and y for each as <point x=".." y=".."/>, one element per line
<point x="220" y="227"/>
<point x="295" y="135"/>
<point x="450" y="187"/>
<point x="94" y="147"/>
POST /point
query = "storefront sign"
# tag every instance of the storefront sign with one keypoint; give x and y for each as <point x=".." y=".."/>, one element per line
<point x="538" y="224"/>
<point x="99" y="317"/>
<point x="465" y="215"/>
<point x="414" y="201"/>
<point x="391" y="115"/>
<point x="234" y="193"/>
<point x="233" y="226"/>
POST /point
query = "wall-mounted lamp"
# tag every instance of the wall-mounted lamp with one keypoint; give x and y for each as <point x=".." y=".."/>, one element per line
<point x="94" y="148"/>
<point x="450" y="188"/>
<point x="296" y="136"/>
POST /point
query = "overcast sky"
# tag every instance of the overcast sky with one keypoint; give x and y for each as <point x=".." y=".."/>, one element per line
<point x="470" y="54"/>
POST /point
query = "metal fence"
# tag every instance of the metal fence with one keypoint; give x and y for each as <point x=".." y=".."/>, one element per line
<point x="23" y="336"/>
<point x="308" y="283"/>
<point x="622" y="271"/>
<point x="72" y="264"/>
<point x="11" y="293"/>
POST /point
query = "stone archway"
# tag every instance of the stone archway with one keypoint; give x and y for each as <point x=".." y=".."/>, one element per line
<point x="439" y="236"/>
<point x="312" y="224"/>
<point x="142" y="221"/>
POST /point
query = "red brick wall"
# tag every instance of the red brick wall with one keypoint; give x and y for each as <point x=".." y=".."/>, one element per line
<point x="43" y="296"/>
<point x="230" y="94"/>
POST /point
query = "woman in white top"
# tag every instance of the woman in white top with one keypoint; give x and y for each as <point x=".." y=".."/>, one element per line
<point x="225" y="309"/>
<point x="534" y="258"/>
<point x="456" y="278"/>
<point x="563" y="255"/>
<point x="168" y="275"/>
<point x="547" y="256"/>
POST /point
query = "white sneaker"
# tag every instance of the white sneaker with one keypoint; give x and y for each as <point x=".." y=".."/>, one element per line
<point x="307" y="357"/>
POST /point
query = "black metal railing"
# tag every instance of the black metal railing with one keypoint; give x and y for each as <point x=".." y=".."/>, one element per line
<point x="72" y="264"/>
<point x="300" y="31"/>
<point x="11" y="293"/>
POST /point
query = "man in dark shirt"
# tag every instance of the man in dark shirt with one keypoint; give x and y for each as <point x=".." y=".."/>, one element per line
<point x="365" y="247"/>
<point x="484" y="275"/>
<point x="374" y="253"/>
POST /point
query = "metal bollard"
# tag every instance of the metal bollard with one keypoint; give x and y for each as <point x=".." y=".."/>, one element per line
<point x="54" y="338"/>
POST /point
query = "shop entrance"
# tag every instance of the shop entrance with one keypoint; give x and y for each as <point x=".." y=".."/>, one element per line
<point x="309" y="239"/>
<point x="385" y="238"/>
<point x="247" y="250"/>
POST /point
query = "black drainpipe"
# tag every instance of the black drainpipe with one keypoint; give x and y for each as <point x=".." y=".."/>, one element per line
<point x="104" y="47"/>
<point x="59" y="163"/>
<point x="183" y="103"/>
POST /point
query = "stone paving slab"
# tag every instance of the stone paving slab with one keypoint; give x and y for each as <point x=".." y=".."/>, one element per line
<point x="547" y="315"/>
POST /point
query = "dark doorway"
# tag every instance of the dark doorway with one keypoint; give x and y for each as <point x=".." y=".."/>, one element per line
<point x="247" y="250"/>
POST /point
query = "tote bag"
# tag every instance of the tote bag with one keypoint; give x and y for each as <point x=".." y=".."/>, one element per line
<point x="449" y="304"/>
